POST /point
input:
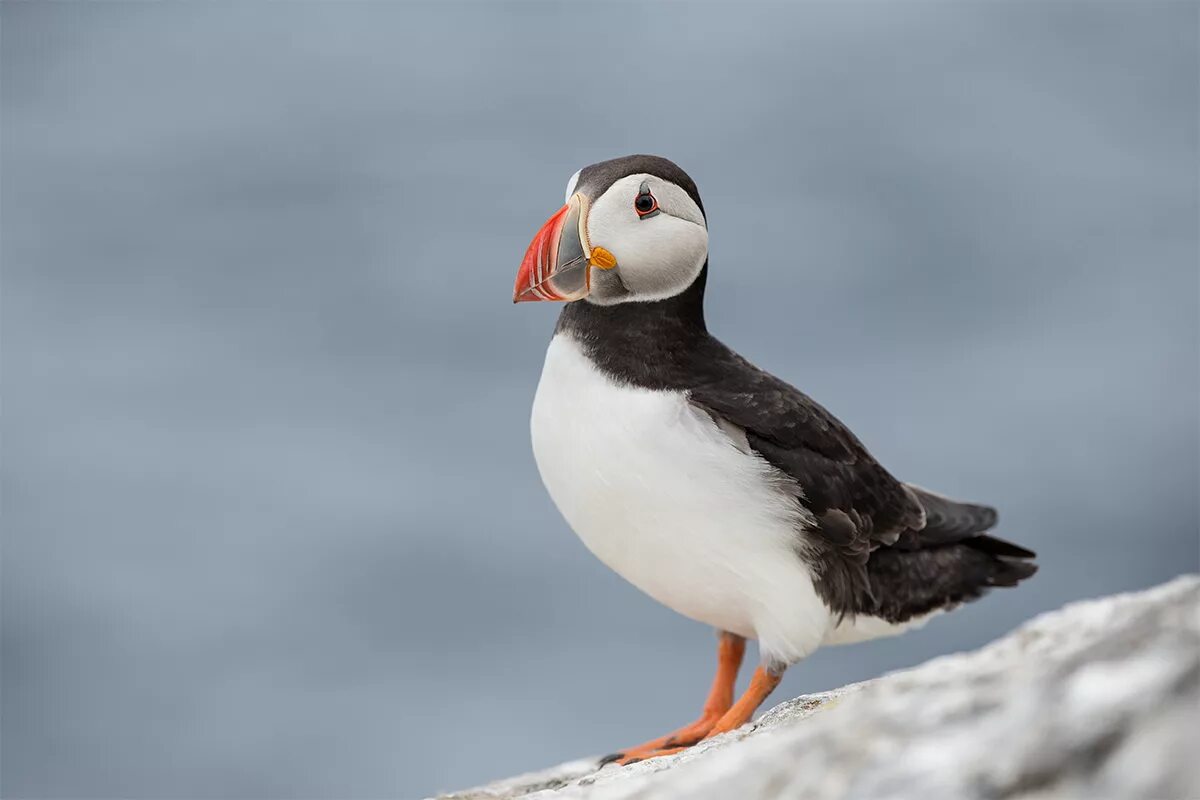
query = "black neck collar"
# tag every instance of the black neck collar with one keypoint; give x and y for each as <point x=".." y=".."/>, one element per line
<point x="649" y="344"/>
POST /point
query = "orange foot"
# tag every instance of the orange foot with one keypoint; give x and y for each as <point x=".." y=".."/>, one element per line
<point x="736" y="715"/>
<point x="681" y="739"/>
<point x="730" y="650"/>
<point x="762" y="684"/>
<point x="634" y="758"/>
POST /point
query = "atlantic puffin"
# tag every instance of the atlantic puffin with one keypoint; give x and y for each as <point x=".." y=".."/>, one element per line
<point x="716" y="488"/>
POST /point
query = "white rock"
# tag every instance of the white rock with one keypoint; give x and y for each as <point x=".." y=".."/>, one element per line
<point x="1100" y="699"/>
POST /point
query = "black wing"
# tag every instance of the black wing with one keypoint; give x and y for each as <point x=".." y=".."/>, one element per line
<point x="857" y="503"/>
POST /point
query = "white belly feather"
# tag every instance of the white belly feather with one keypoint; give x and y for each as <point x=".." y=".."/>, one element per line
<point x="666" y="499"/>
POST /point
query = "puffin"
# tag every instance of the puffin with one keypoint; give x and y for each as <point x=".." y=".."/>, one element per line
<point x="718" y="489"/>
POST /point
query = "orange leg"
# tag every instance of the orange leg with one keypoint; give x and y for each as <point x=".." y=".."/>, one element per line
<point x="761" y="685"/>
<point x="730" y="650"/>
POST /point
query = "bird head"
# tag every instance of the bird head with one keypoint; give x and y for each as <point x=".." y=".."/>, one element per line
<point x="632" y="229"/>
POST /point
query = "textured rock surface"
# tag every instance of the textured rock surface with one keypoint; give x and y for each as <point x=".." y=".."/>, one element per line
<point x="1100" y="699"/>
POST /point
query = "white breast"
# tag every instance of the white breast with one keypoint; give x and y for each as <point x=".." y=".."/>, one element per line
<point x="665" y="498"/>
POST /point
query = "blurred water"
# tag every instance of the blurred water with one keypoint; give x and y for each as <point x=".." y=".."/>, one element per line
<point x="271" y="524"/>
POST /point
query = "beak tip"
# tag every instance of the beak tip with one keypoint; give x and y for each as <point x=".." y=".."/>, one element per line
<point x="556" y="265"/>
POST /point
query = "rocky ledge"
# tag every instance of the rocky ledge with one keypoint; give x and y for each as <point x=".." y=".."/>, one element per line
<point x="1100" y="699"/>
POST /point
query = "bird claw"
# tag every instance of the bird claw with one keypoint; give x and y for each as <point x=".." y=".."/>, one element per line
<point x="624" y="760"/>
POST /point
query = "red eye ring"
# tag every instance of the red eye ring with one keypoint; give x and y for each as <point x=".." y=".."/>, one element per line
<point x="645" y="204"/>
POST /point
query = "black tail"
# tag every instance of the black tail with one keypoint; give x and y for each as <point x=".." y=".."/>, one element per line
<point x="952" y="560"/>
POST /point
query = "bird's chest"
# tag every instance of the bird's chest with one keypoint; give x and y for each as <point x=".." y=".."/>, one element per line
<point x="657" y="491"/>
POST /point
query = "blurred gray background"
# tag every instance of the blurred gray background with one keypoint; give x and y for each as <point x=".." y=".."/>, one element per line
<point x="271" y="524"/>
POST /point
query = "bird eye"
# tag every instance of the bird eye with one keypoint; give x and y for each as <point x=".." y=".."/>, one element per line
<point x="644" y="204"/>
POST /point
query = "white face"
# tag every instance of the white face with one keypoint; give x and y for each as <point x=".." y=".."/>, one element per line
<point x="660" y="242"/>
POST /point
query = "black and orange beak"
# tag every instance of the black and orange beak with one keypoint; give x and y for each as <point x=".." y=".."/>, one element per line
<point x="558" y="264"/>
